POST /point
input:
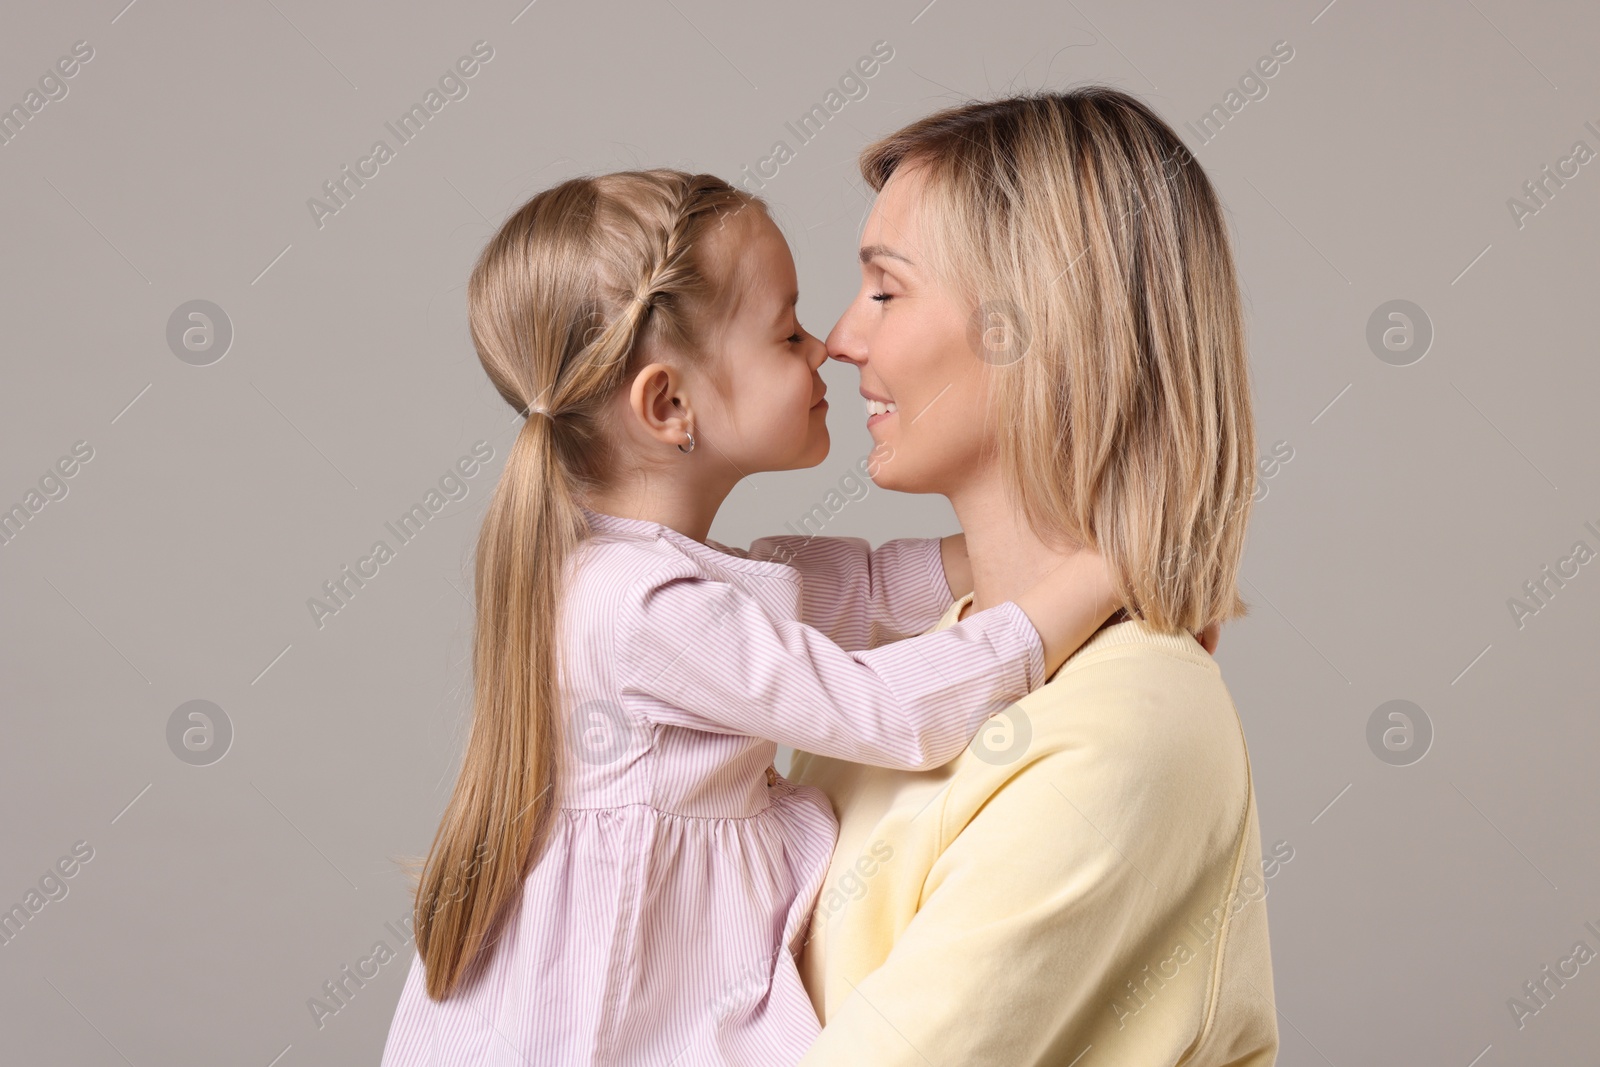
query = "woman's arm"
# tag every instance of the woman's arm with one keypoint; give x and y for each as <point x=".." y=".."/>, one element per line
<point x="862" y="597"/>
<point x="1081" y="899"/>
<point x="1020" y="953"/>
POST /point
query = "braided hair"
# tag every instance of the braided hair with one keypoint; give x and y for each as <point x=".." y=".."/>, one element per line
<point x="563" y="305"/>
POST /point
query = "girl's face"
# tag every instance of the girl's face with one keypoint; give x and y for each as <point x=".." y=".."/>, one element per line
<point x="908" y="337"/>
<point x="765" y="410"/>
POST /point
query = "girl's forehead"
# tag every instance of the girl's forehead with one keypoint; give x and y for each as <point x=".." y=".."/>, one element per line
<point x="763" y="271"/>
<point x="759" y="281"/>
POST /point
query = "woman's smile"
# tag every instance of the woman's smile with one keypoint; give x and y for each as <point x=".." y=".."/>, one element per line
<point x="878" y="408"/>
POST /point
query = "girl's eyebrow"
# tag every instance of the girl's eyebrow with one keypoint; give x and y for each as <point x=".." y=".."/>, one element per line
<point x="783" y="309"/>
<point x="868" y="252"/>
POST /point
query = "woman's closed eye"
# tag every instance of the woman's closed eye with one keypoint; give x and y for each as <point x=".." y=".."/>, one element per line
<point x="882" y="298"/>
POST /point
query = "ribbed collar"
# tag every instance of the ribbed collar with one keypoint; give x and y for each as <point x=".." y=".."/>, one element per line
<point x="1131" y="632"/>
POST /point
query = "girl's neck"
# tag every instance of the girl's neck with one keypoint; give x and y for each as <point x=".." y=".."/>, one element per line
<point x="688" y="510"/>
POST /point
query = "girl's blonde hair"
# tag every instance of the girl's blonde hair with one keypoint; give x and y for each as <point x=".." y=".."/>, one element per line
<point x="563" y="303"/>
<point x="1094" y="248"/>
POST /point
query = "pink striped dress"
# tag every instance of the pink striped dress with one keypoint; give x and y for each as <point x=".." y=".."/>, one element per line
<point x="660" y="925"/>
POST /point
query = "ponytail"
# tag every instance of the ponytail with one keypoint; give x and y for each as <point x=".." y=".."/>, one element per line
<point x="561" y="302"/>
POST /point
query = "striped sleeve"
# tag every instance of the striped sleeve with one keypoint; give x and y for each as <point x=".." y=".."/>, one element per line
<point x="704" y="655"/>
<point x="861" y="596"/>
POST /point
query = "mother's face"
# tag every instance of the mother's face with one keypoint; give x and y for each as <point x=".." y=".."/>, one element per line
<point x="907" y="335"/>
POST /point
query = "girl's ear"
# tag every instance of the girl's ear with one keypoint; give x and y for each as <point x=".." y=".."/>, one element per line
<point x="657" y="403"/>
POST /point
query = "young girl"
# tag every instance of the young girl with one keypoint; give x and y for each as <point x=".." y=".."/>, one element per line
<point x="621" y="876"/>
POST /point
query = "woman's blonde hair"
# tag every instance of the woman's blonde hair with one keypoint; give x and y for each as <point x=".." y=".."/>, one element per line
<point x="563" y="304"/>
<point x="1095" y="252"/>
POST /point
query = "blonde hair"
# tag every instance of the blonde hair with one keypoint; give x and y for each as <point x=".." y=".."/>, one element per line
<point x="1079" y="221"/>
<point x="563" y="303"/>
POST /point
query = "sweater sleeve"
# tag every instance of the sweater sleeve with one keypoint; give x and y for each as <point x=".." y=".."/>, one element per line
<point x="704" y="655"/>
<point x="857" y="595"/>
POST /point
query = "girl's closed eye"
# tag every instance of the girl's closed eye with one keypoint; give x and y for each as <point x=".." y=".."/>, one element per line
<point x="882" y="298"/>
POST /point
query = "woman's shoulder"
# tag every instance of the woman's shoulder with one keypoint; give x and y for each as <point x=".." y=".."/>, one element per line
<point x="1135" y="687"/>
<point x="1137" y="720"/>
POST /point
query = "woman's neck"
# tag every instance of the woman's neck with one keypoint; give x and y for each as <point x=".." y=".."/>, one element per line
<point x="1007" y="557"/>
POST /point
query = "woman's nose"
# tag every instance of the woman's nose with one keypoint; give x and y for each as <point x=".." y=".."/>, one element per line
<point x="843" y="344"/>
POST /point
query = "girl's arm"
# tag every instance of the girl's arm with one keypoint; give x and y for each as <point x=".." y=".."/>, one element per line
<point x="862" y="597"/>
<point x="704" y="655"/>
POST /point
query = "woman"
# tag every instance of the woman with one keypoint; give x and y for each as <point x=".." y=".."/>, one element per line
<point x="1049" y="334"/>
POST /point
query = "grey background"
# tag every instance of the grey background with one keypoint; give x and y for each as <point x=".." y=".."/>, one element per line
<point x="1418" y="501"/>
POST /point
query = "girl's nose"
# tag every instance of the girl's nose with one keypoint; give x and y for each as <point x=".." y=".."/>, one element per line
<point x="818" y="354"/>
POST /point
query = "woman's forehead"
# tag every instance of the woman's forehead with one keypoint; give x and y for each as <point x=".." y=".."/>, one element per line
<point x="892" y="225"/>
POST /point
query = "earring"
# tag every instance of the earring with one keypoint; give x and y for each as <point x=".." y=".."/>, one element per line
<point x="686" y="451"/>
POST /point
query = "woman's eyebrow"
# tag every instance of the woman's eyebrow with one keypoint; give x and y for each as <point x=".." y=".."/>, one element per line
<point x="869" y="251"/>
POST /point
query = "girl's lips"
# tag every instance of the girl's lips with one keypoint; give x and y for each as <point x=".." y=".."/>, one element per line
<point x="873" y="420"/>
<point x="821" y="405"/>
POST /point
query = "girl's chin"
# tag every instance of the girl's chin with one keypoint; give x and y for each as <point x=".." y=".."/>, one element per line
<point x="815" y="451"/>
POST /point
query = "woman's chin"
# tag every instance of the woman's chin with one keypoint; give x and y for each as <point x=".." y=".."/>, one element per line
<point x="889" y="471"/>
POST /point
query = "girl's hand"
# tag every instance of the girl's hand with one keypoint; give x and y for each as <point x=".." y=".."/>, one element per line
<point x="957" y="567"/>
<point x="1068" y="604"/>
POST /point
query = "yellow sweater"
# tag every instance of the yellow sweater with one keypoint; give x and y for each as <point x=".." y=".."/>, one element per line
<point x="1082" y="886"/>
